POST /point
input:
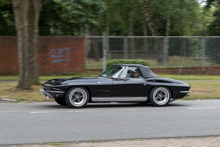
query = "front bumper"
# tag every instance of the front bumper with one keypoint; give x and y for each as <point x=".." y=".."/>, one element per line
<point x="45" y="93"/>
<point x="185" y="91"/>
<point x="50" y="93"/>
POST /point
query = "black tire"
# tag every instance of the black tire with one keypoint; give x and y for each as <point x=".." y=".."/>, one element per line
<point x="160" y="96"/>
<point x="60" y="101"/>
<point x="77" y="97"/>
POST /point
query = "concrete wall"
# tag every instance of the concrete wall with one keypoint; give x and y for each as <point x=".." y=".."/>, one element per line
<point x="55" y="55"/>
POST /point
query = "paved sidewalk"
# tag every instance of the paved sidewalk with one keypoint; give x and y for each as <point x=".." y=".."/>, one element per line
<point x="169" y="142"/>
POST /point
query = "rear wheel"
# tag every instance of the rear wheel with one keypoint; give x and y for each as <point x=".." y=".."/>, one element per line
<point x="160" y="96"/>
<point x="77" y="97"/>
<point x="60" y="101"/>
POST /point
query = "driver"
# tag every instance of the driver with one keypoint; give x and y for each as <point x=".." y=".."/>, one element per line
<point x="136" y="74"/>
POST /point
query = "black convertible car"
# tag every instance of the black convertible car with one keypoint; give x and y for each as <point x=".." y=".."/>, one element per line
<point x="120" y="83"/>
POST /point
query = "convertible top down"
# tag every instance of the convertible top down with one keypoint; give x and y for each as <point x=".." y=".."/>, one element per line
<point x="120" y="83"/>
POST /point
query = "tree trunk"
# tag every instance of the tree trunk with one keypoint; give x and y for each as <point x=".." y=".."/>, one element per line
<point x="131" y="33"/>
<point x="181" y="25"/>
<point x="145" y="34"/>
<point x="107" y="38"/>
<point x="26" y="17"/>
<point x="144" y="28"/>
<point x="182" y="40"/>
<point x="153" y="29"/>
<point x="166" y="50"/>
<point x="151" y="24"/>
<point x="87" y="33"/>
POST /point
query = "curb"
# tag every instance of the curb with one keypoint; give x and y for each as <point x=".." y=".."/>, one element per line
<point x="7" y="100"/>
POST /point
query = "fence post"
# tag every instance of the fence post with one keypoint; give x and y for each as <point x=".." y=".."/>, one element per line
<point x="165" y="51"/>
<point x="104" y="51"/>
<point x="125" y="48"/>
<point x="203" y="51"/>
<point x="86" y="49"/>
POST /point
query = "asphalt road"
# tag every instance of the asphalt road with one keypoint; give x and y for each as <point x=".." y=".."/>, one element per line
<point x="23" y="123"/>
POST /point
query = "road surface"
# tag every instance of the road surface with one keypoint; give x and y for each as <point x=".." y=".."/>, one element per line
<point x="24" y="123"/>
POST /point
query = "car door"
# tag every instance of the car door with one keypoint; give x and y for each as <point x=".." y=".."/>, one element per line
<point x="102" y="85"/>
<point x="127" y="86"/>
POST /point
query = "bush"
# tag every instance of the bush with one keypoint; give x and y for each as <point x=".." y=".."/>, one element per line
<point x="126" y="61"/>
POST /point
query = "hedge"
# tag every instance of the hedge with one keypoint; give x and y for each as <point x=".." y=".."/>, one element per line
<point x="126" y="61"/>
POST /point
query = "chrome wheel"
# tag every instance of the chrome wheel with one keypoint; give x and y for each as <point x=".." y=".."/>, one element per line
<point x="78" y="97"/>
<point x="161" y="96"/>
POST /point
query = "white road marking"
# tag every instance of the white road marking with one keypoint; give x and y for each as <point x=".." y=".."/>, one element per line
<point x="74" y="111"/>
<point x="202" y="108"/>
<point x="40" y="112"/>
<point x="126" y="110"/>
<point x="211" y="108"/>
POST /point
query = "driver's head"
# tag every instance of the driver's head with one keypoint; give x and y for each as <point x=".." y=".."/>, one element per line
<point x="136" y="73"/>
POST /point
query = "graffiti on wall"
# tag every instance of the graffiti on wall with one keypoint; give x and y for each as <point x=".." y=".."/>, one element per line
<point x="60" y="55"/>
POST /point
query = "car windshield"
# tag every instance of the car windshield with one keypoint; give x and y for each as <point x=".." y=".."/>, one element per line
<point x="111" y="72"/>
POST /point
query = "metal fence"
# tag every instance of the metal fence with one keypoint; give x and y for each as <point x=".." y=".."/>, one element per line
<point x="159" y="51"/>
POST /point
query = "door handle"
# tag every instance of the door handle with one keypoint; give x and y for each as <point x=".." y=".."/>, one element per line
<point x="144" y="83"/>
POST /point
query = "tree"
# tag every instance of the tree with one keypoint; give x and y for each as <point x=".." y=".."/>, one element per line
<point x="26" y="14"/>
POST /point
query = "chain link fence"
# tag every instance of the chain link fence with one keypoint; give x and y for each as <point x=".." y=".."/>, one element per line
<point x="159" y="51"/>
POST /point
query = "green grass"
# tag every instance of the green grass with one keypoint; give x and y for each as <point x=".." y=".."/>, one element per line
<point x="55" y="144"/>
<point x="190" y="77"/>
<point x="8" y="90"/>
<point x="201" y="90"/>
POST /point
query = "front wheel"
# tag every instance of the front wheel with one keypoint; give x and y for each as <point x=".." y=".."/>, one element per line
<point x="77" y="97"/>
<point x="160" y="96"/>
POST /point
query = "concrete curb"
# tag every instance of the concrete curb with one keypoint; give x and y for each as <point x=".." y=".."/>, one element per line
<point x="7" y="100"/>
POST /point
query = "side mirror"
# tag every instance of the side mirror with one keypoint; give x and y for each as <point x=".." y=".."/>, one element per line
<point x="125" y="79"/>
<point x="120" y="79"/>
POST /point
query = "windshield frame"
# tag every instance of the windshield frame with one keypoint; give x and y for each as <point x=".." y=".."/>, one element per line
<point x="114" y="76"/>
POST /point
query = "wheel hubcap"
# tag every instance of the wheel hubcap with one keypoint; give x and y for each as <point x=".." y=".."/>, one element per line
<point x="161" y="96"/>
<point x="78" y="97"/>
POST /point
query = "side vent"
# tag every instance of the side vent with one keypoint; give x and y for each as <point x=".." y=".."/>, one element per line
<point x="159" y="81"/>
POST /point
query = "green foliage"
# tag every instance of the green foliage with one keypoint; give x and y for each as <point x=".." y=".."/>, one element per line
<point x="182" y="12"/>
<point x="67" y="17"/>
<point x="214" y="27"/>
<point x="126" y="61"/>
<point x="7" y="25"/>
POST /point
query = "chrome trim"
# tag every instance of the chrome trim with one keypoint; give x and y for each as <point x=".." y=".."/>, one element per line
<point x="45" y="93"/>
<point x="118" y="99"/>
<point x="185" y="91"/>
<point x="116" y="76"/>
<point x="55" y="91"/>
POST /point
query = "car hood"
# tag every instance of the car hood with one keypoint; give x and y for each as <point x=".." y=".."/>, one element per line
<point x="60" y="81"/>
